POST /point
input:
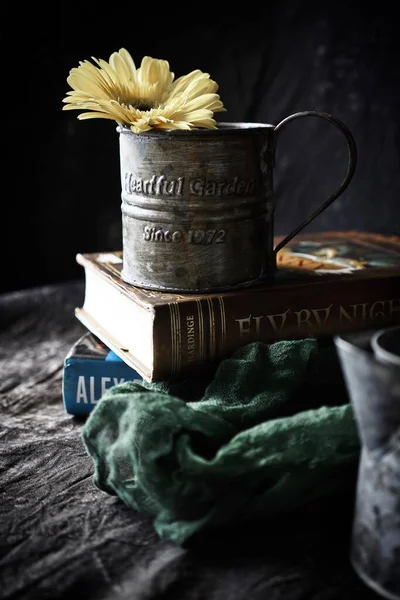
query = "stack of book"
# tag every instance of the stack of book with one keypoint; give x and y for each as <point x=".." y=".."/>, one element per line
<point x="326" y="283"/>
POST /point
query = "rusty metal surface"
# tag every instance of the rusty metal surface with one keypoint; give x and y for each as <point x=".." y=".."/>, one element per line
<point x="374" y="389"/>
<point x="198" y="206"/>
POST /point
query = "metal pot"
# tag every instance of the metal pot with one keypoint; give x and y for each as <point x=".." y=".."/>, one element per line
<point x="198" y="205"/>
<point x="374" y="390"/>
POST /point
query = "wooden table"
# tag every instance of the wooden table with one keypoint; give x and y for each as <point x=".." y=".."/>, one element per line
<point x="63" y="538"/>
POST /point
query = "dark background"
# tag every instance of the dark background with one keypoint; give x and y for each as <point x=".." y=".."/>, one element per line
<point x="60" y="176"/>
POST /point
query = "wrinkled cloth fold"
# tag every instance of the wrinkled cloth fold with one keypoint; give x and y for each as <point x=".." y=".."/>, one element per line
<point x="256" y="441"/>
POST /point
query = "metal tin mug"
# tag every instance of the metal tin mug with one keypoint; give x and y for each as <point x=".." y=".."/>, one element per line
<point x="198" y="205"/>
<point x="374" y="390"/>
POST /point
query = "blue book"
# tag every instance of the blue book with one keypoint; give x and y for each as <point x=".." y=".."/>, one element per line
<point x="90" y="368"/>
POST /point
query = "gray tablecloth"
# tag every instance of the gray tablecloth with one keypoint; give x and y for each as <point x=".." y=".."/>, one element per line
<point x="60" y="537"/>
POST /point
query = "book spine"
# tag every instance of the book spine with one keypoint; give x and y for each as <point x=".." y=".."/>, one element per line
<point x="85" y="381"/>
<point x="205" y="330"/>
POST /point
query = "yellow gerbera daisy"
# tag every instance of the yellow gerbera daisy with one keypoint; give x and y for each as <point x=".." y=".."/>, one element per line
<point x="145" y="98"/>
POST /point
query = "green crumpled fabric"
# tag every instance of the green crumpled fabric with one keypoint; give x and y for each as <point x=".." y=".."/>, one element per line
<point x="257" y="440"/>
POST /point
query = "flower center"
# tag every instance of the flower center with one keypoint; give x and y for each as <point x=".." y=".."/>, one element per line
<point x="142" y="104"/>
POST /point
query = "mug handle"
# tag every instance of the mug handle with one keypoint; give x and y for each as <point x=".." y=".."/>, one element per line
<point x="348" y="177"/>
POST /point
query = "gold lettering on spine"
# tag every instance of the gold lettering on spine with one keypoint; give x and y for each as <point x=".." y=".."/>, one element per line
<point x="201" y="331"/>
<point x="394" y="306"/>
<point x="312" y="317"/>
<point x="212" y="344"/>
<point x="176" y="338"/>
<point x="223" y="323"/>
<point x="191" y="338"/>
<point x="271" y="318"/>
<point x="179" y="338"/>
<point x="172" y="326"/>
<point x="344" y="315"/>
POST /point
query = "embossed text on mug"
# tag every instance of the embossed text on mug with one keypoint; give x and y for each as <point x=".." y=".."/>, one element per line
<point x="160" y="185"/>
<point x="193" y="236"/>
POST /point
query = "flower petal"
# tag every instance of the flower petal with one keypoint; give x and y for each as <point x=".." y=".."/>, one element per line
<point x="125" y="69"/>
<point x="143" y="98"/>
<point x="96" y="115"/>
<point x="154" y="70"/>
<point x="127" y="58"/>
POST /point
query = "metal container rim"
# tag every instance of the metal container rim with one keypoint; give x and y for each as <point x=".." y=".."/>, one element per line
<point x="377" y="341"/>
<point x="224" y="128"/>
<point x="348" y="342"/>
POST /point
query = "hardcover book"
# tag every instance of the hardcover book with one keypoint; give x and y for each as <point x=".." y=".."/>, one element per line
<point x="326" y="283"/>
<point x="90" y="368"/>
